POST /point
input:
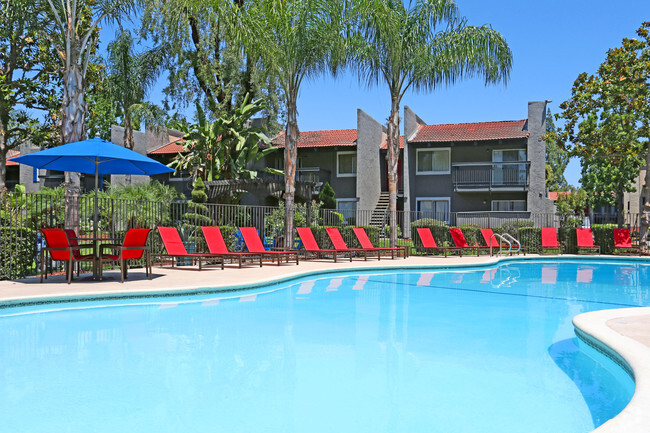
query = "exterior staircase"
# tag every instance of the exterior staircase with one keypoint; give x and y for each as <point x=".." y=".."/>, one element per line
<point x="378" y="217"/>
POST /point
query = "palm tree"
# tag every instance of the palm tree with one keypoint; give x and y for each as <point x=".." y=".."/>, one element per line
<point x="295" y="40"/>
<point x="402" y="46"/>
<point x="72" y="26"/>
<point x="131" y="76"/>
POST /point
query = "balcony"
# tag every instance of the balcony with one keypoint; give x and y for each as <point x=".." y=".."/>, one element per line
<point x="491" y="176"/>
<point x="315" y="175"/>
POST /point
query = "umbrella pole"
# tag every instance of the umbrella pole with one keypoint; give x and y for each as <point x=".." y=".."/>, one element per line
<point x="95" y="217"/>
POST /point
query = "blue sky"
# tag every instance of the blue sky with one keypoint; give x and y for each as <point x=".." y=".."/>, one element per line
<point x="552" y="42"/>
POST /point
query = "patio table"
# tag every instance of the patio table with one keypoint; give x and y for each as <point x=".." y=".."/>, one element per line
<point x="96" y="247"/>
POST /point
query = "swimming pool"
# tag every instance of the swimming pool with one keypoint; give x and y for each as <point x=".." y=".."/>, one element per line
<point x="477" y="349"/>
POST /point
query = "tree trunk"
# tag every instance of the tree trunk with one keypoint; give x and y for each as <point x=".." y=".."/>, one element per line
<point x="128" y="140"/>
<point x="3" y="168"/>
<point x="3" y="156"/>
<point x="73" y="128"/>
<point x="393" y="160"/>
<point x="644" y="208"/>
<point x="290" y="157"/>
<point x="620" y="207"/>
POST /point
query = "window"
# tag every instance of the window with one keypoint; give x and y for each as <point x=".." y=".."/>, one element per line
<point x="348" y="208"/>
<point x="509" y="173"/>
<point x="433" y="207"/>
<point x="433" y="161"/>
<point x="346" y="164"/>
<point x="509" y="205"/>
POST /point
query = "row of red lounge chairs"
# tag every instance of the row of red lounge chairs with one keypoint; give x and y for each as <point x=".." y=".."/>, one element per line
<point x="62" y="246"/>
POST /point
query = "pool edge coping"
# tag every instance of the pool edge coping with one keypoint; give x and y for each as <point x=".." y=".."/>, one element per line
<point x="632" y="355"/>
<point x="294" y="274"/>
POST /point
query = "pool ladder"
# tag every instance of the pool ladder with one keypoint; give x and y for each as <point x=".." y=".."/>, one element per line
<point x="508" y="239"/>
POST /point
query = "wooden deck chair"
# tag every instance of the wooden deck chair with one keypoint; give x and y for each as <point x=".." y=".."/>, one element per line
<point x="366" y="243"/>
<point x="459" y="240"/>
<point x="429" y="243"/>
<point x="254" y="245"/>
<point x="60" y="249"/>
<point x="311" y="246"/>
<point x="585" y="242"/>
<point x="549" y="240"/>
<point x="217" y="245"/>
<point x="340" y="245"/>
<point x="134" y="247"/>
<point x="623" y="242"/>
<point x="176" y="250"/>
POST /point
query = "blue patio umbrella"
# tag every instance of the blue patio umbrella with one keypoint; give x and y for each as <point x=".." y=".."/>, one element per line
<point x="93" y="156"/>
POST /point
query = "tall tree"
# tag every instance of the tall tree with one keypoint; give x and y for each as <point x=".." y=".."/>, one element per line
<point x="131" y="76"/>
<point x="28" y="77"/>
<point x="207" y="60"/>
<point x="557" y="159"/>
<point x="422" y="45"/>
<point x="72" y="26"/>
<point x="607" y="124"/>
<point x="295" y="40"/>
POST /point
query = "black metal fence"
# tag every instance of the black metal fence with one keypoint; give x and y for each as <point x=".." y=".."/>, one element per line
<point x="21" y="215"/>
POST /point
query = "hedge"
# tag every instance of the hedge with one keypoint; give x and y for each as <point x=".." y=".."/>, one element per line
<point x="18" y="252"/>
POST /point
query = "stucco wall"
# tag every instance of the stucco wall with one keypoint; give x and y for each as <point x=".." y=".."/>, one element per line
<point x="369" y="138"/>
<point x="140" y="141"/>
<point x="537" y="201"/>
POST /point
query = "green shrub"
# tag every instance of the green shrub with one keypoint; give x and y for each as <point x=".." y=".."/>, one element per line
<point x="327" y="197"/>
<point x="604" y="236"/>
<point x="387" y="231"/>
<point x="17" y="253"/>
<point x="567" y="238"/>
<point x="513" y="227"/>
<point x="530" y="239"/>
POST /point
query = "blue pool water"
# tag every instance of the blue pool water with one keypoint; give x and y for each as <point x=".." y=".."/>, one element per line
<point x="472" y="350"/>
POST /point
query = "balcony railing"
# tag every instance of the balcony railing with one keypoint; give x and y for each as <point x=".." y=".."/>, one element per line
<point x="491" y="176"/>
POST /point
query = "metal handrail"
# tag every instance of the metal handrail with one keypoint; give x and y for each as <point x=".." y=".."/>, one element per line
<point x="515" y="240"/>
<point x="501" y="239"/>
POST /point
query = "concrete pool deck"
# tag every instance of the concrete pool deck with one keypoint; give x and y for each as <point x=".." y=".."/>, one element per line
<point x="624" y="334"/>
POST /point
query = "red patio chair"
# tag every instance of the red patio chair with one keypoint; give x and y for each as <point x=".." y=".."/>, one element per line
<point x="176" y="250"/>
<point x="623" y="242"/>
<point x="311" y="246"/>
<point x="549" y="240"/>
<point x="134" y="247"/>
<point x="459" y="240"/>
<point x="254" y="245"/>
<point x="429" y="243"/>
<point x="60" y="249"/>
<point x="339" y="244"/>
<point x="366" y="243"/>
<point x="585" y="241"/>
<point x="217" y="245"/>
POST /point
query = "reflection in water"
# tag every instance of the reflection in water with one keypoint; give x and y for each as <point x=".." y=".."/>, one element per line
<point x="604" y="386"/>
<point x="585" y="274"/>
<point x="364" y="353"/>
<point x="549" y="274"/>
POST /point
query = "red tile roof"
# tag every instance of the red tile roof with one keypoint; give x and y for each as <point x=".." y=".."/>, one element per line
<point x="331" y="138"/>
<point x="12" y="154"/>
<point x="174" y="146"/>
<point x="471" y="131"/>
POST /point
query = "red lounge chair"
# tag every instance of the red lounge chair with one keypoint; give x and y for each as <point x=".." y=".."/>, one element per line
<point x="217" y="245"/>
<point x="585" y="241"/>
<point x="339" y="244"/>
<point x="366" y="243"/>
<point x="459" y="240"/>
<point x="176" y="250"/>
<point x="60" y="249"/>
<point x="429" y="243"/>
<point x="623" y="242"/>
<point x="311" y="246"/>
<point x="549" y="240"/>
<point x="254" y="245"/>
<point x="134" y="247"/>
